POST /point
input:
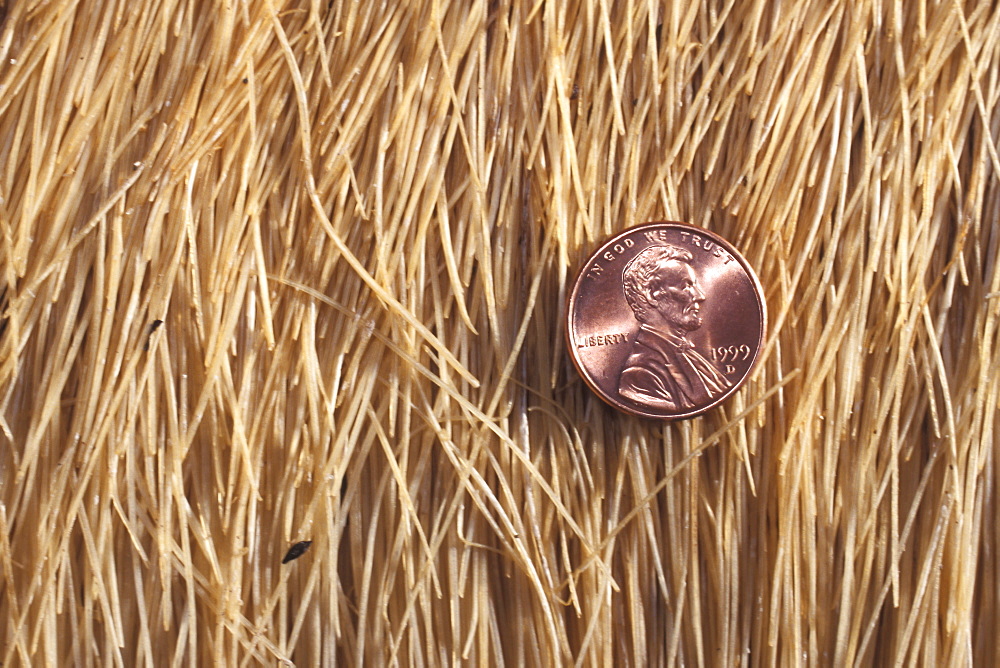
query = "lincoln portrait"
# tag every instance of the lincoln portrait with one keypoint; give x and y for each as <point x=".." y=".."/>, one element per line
<point x="664" y="370"/>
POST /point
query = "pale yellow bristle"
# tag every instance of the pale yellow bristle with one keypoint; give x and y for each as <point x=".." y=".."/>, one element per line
<point x="359" y="222"/>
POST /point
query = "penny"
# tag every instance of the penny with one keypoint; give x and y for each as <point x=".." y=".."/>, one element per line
<point x="666" y="320"/>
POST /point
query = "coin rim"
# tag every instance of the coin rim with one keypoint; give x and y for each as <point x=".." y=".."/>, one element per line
<point x="571" y="304"/>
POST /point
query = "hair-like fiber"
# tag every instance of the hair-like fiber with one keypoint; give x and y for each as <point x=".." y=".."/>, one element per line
<point x="289" y="274"/>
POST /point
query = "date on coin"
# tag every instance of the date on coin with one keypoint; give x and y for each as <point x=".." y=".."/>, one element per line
<point x="666" y="320"/>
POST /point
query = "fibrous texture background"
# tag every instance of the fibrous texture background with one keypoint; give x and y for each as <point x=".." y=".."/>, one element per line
<point x="284" y="271"/>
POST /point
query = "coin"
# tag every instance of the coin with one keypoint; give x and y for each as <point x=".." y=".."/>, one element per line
<point x="666" y="320"/>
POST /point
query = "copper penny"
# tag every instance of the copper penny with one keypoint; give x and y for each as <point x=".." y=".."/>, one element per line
<point x="666" y="320"/>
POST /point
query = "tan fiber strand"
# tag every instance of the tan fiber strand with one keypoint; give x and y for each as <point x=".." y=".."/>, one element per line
<point x="282" y="271"/>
